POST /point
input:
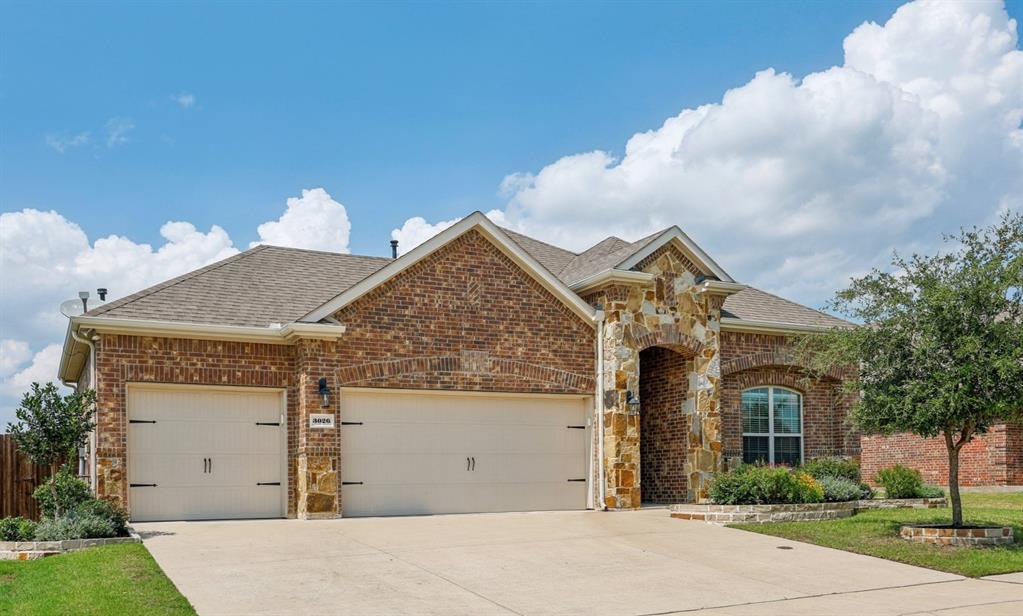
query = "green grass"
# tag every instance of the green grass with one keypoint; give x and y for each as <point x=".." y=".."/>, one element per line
<point x="114" y="579"/>
<point x="876" y="533"/>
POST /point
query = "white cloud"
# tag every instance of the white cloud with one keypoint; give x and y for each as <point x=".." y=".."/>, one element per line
<point x="63" y="142"/>
<point x="184" y="100"/>
<point x="795" y="184"/>
<point x="42" y="369"/>
<point x="117" y="129"/>
<point x="314" y="220"/>
<point x="13" y="353"/>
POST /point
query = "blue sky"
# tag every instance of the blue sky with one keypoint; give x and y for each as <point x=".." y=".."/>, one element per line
<point x="798" y="142"/>
<point x="396" y="110"/>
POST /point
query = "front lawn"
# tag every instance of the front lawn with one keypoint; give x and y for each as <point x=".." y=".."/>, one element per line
<point x="876" y="533"/>
<point x="113" y="579"/>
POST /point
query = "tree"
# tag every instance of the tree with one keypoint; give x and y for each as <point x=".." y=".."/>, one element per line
<point x="941" y="351"/>
<point x="52" y="427"/>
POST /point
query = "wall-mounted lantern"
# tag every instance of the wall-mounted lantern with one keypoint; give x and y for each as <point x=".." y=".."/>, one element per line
<point x="632" y="401"/>
<point x="324" y="393"/>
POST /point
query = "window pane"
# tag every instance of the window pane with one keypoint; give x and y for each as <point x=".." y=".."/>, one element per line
<point x="755" y="415"/>
<point x="786" y="412"/>
<point x="754" y="449"/>
<point x="786" y="450"/>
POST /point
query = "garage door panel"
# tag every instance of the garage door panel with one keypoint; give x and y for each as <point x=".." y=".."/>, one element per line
<point x="205" y="453"/>
<point x="424" y="453"/>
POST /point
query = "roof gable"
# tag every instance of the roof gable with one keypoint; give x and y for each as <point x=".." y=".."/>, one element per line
<point x="489" y="230"/>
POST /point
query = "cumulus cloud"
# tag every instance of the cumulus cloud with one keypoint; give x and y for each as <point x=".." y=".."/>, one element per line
<point x="13" y="353"/>
<point x="314" y="220"/>
<point x="184" y="100"/>
<point x="63" y="142"/>
<point x="117" y="130"/>
<point x="417" y="230"/>
<point x="794" y="184"/>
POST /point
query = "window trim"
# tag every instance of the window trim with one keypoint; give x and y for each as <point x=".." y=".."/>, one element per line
<point x="771" y="434"/>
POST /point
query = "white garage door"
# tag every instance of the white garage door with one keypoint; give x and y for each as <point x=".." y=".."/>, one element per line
<point x="425" y="453"/>
<point x="205" y="453"/>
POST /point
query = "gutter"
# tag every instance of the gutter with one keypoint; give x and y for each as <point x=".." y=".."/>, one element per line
<point x="611" y="275"/>
<point x="274" y="333"/>
<point x="89" y="341"/>
<point x="768" y="327"/>
<point x="599" y="318"/>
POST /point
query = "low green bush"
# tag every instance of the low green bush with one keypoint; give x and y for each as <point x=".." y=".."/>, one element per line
<point x="866" y="492"/>
<point x="765" y="485"/>
<point x="106" y="509"/>
<point x="837" y="489"/>
<point x="74" y="525"/>
<point x="17" y="529"/>
<point x="900" y="482"/>
<point x="820" y="468"/>
<point x="929" y="491"/>
<point x="71" y="492"/>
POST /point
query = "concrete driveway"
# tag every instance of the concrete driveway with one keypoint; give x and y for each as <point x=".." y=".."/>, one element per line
<point x="589" y="563"/>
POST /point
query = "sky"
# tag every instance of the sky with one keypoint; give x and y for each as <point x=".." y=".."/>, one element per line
<point x="798" y="143"/>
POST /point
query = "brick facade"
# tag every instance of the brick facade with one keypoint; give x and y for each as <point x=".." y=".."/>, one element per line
<point x="663" y="385"/>
<point x="757" y="360"/>
<point x="991" y="459"/>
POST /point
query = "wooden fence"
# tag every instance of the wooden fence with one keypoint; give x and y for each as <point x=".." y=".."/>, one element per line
<point x="18" y="478"/>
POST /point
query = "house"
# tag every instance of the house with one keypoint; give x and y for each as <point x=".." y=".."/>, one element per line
<point x="482" y="371"/>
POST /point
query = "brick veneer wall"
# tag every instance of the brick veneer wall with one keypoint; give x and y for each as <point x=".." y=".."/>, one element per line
<point x="991" y="459"/>
<point x="466" y="318"/>
<point x="122" y="359"/>
<point x="826" y="431"/>
<point x="664" y="431"/>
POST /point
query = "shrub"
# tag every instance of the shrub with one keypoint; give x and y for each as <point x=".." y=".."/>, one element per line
<point x="106" y="509"/>
<point x="74" y="526"/>
<point x="17" y="529"/>
<point x="71" y="492"/>
<point x="900" y="482"/>
<point x="929" y="491"/>
<point x="832" y="467"/>
<point x="838" y="489"/>
<point x="808" y="489"/>
<point x="764" y="485"/>
<point x="866" y="492"/>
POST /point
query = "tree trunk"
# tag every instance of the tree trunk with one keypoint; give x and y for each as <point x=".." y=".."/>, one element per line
<point x="953" y="481"/>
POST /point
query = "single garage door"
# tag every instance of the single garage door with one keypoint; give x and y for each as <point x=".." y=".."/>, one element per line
<point x="205" y="453"/>
<point x="425" y="453"/>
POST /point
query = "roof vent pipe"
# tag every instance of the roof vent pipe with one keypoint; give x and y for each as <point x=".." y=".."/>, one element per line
<point x="102" y="292"/>
<point x="394" y="249"/>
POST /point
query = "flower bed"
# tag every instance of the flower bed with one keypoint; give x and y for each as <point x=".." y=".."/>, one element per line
<point x="30" y="550"/>
<point x="800" y="512"/>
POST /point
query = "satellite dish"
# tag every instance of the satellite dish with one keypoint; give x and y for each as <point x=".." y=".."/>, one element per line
<point x="72" y="308"/>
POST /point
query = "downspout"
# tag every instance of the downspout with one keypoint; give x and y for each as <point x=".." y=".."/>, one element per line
<point x="88" y="341"/>
<point x="599" y="397"/>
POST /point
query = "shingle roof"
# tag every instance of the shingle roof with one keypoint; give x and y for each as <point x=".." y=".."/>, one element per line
<point x="756" y="305"/>
<point x="264" y="285"/>
<point x="271" y="284"/>
<point x="602" y="256"/>
<point x="549" y="256"/>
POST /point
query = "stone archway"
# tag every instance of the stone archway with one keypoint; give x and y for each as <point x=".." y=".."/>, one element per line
<point x="664" y="417"/>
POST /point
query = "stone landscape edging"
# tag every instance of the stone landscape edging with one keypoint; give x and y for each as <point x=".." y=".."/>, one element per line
<point x="801" y="512"/>
<point x="31" y="550"/>
<point x="988" y="535"/>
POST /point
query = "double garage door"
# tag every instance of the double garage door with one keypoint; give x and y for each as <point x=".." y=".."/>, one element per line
<point x="216" y="453"/>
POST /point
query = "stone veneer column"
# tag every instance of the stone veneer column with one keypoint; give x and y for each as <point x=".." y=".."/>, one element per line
<point x="704" y="451"/>
<point x="621" y="426"/>
<point x="318" y="452"/>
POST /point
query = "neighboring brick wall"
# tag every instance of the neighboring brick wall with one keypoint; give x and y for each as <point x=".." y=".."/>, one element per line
<point x="136" y="359"/>
<point x="466" y="318"/>
<point x="991" y="459"/>
<point x="826" y="431"/>
<point x="664" y="429"/>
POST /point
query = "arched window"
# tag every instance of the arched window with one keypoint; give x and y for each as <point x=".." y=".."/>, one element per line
<point x="772" y="426"/>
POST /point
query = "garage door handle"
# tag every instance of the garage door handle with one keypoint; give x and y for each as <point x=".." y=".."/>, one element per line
<point x="131" y="421"/>
<point x="467" y="463"/>
<point x="141" y="485"/>
<point x="577" y="480"/>
<point x="576" y="427"/>
<point x="474" y="463"/>
<point x="268" y="483"/>
<point x="351" y="483"/>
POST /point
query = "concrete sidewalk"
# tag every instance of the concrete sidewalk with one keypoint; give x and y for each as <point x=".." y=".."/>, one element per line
<point x="590" y="563"/>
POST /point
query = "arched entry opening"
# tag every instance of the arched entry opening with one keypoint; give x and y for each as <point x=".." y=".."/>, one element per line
<point x="665" y="416"/>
